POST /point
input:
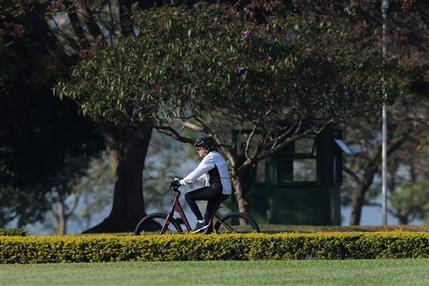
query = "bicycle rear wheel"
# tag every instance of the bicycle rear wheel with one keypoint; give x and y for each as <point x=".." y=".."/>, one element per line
<point x="236" y="222"/>
<point x="153" y="224"/>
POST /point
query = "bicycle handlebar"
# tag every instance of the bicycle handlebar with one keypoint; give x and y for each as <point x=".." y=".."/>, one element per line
<point x="174" y="192"/>
<point x="175" y="189"/>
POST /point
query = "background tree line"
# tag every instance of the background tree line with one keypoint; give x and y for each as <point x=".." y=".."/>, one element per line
<point x="59" y="34"/>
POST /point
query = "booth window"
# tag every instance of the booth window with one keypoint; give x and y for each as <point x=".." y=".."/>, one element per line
<point x="341" y="148"/>
<point x="261" y="171"/>
<point x="298" y="162"/>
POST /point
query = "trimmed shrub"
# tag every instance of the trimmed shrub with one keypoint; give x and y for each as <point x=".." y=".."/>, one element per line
<point x="12" y="232"/>
<point x="103" y="248"/>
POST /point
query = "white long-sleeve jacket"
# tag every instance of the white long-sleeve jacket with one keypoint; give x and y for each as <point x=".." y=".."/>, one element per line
<point x="212" y="169"/>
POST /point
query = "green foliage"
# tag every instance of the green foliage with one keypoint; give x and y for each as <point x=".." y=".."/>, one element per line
<point x="103" y="248"/>
<point x="188" y="62"/>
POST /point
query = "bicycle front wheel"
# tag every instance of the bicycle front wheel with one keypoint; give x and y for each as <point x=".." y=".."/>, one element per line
<point x="236" y="222"/>
<point x="157" y="223"/>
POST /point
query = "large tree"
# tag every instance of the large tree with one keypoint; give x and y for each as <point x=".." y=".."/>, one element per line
<point x="58" y="35"/>
<point x="48" y="37"/>
<point x="407" y="35"/>
<point x="213" y="71"/>
<point x="84" y="27"/>
<point x="37" y="130"/>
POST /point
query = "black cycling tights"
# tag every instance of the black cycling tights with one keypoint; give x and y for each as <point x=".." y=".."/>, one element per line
<point x="213" y="195"/>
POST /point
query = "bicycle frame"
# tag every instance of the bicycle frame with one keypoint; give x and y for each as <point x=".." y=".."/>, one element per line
<point x="227" y="221"/>
<point x="176" y="207"/>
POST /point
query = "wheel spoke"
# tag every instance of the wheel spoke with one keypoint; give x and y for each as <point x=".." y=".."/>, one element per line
<point x="157" y="224"/>
<point x="236" y="223"/>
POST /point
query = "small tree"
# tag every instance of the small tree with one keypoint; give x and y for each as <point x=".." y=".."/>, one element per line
<point x="213" y="71"/>
<point x="406" y="123"/>
<point x="410" y="200"/>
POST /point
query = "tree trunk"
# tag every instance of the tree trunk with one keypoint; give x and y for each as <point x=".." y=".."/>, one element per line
<point x="127" y="149"/>
<point x="60" y="219"/>
<point x="241" y="196"/>
<point x="359" y="200"/>
<point x="403" y="219"/>
<point x="357" y="204"/>
<point x="242" y="182"/>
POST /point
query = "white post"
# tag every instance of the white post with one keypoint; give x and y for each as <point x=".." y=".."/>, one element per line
<point x="384" y="8"/>
<point x="384" y="165"/>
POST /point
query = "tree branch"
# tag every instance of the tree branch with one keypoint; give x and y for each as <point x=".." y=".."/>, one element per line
<point x="192" y="126"/>
<point x="352" y="174"/>
<point x="92" y="25"/>
<point x="249" y="140"/>
<point x="77" y="28"/>
<point x="70" y="209"/>
<point x="125" y="17"/>
<point x="169" y="131"/>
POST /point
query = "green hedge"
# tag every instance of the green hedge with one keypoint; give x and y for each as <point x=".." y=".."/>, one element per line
<point x="103" y="248"/>
<point x="12" y="232"/>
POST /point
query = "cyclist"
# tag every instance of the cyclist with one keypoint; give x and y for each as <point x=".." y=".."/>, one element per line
<point x="213" y="171"/>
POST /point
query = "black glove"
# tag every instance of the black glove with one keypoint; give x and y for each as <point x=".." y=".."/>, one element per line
<point x="175" y="182"/>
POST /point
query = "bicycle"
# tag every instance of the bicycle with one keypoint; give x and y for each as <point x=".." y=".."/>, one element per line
<point x="161" y="223"/>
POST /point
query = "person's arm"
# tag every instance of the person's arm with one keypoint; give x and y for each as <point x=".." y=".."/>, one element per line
<point x="204" y="178"/>
<point x="199" y="173"/>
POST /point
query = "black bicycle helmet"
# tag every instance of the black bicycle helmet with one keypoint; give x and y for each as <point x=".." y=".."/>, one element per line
<point x="207" y="143"/>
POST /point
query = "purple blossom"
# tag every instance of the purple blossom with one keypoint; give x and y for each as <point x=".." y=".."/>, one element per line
<point x="329" y="59"/>
<point x="247" y="34"/>
<point x="270" y="58"/>
<point x="137" y="109"/>
<point x="239" y="69"/>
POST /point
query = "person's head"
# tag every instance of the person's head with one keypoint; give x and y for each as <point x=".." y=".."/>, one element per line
<point x="204" y="145"/>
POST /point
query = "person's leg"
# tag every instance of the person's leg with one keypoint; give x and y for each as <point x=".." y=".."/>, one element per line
<point x="209" y="194"/>
<point x="213" y="204"/>
<point x="196" y="195"/>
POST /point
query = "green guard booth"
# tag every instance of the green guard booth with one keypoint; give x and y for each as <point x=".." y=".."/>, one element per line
<point x="301" y="184"/>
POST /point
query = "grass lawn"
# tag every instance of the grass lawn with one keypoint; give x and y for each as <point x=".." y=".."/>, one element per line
<point x="276" y="228"/>
<point x="292" y="272"/>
